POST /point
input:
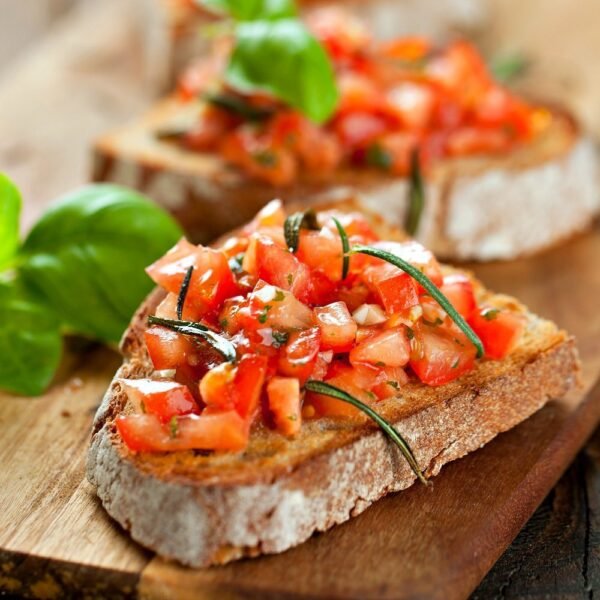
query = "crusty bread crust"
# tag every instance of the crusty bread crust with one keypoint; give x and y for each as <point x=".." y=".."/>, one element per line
<point x="207" y="509"/>
<point x="480" y="208"/>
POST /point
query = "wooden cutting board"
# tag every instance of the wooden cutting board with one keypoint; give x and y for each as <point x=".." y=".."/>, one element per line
<point x="437" y="543"/>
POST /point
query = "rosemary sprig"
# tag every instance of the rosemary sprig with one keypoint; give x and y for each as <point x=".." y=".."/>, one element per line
<point x="416" y="194"/>
<point x="431" y="288"/>
<point x="345" y="248"/>
<point x="238" y="106"/>
<point x="294" y="223"/>
<point x="320" y="387"/>
<point x="219" y="343"/>
<point x="183" y="290"/>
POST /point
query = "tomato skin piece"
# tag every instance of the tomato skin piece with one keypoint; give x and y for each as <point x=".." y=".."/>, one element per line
<point x="442" y="356"/>
<point x="229" y="387"/>
<point x="284" y="403"/>
<point x="396" y="290"/>
<point x="279" y="309"/>
<point x="499" y="332"/>
<point x="281" y="268"/>
<point x="212" y="280"/>
<point x="164" y="399"/>
<point x="298" y="357"/>
<point x="270" y="215"/>
<point x="167" y="349"/>
<point x="390" y="348"/>
<point x="458" y="288"/>
<point x="338" y="328"/>
<point x="212" y="430"/>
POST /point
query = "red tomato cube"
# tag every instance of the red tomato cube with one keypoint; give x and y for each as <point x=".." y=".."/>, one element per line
<point x="458" y="288"/>
<point x="390" y="348"/>
<point x="299" y="355"/>
<point x="499" y="330"/>
<point x="396" y="290"/>
<point x="338" y="328"/>
<point x="167" y="349"/>
<point x="284" y="404"/>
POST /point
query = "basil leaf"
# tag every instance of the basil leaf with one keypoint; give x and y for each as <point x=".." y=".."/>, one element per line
<point x="10" y="208"/>
<point x="86" y="256"/>
<point x="30" y="343"/>
<point x="283" y="59"/>
<point x="250" y="10"/>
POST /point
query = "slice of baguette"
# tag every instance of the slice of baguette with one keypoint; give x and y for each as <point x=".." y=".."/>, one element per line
<point x="209" y="509"/>
<point x="171" y="29"/>
<point x="479" y="208"/>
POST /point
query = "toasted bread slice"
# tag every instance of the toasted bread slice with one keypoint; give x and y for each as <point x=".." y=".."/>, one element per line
<point x="478" y="208"/>
<point x="206" y="509"/>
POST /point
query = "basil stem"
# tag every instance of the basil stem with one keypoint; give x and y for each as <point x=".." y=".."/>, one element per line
<point x="219" y="343"/>
<point x="238" y="106"/>
<point x="345" y="248"/>
<point x="431" y="288"/>
<point x="320" y="387"/>
<point x="295" y="222"/>
<point x="416" y="194"/>
<point x="183" y="291"/>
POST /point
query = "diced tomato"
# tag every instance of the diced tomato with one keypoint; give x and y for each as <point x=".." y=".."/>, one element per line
<point x="322" y="289"/>
<point x="284" y="404"/>
<point x="273" y="307"/>
<point x="499" y="330"/>
<point x="439" y="356"/>
<point x="281" y="268"/>
<point x="410" y="48"/>
<point x="167" y="309"/>
<point x="359" y="129"/>
<point x="395" y="378"/>
<point x="212" y="430"/>
<point x="299" y="355"/>
<point x="474" y="140"/>
<point x="212" y="280"/>
<point x="338" y="328"/>
<point x="396" y="290"/>
<point x="322" y="251"/>
<point x="239" y="387"/>
<point x="411" y="103"/>
<point x="357" y="94"/>
<point x="165" y="399"/>
<point x="397" y="149"/>
<point x="458" y="288"/>
<point x="388" y="348"/>
<point x="209" y="129"/>
<point x="167" y="349"/>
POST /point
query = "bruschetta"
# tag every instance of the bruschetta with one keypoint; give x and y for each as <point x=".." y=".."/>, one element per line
<point x="422" y="133"/>
<point x="282" y="381"/>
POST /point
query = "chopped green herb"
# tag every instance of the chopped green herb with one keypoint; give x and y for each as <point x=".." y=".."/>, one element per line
<point x="237" y="106"/>
<point x="279" y="296"/>
<point x="280" y="338"/>
<point x="173" y="427"/>
<point x="379" y="157"/>
<point x="143" y="407"/>
<point x="394" y="384"/>
<point x="235" y="263"/>
<point x="380" y="363"/>
<point x="290" y="279"/>
<point x="371" y="395"/>
<point x="410" y="334"/>
<point x="435" y="323"/>
<point x="223" y="323"/>
<point x="266" y="158"/>
<point x="489" y="314"/>
<point x="455" y="364"/>
<point x="292" y="417"/>
<point x="262" y="318"/>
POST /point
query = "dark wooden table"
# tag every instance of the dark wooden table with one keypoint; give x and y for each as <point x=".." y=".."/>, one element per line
<point x="557" y="554"/>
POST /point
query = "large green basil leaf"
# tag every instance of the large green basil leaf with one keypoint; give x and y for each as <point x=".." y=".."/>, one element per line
<point x="30" y="343"/>
<point x="284" y="59"/>
<point x="85" y="257"/>
<point x="250" y="10"/>
<point x="10" y="208"/>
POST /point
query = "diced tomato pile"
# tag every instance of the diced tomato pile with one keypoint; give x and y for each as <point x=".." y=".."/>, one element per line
<point x="395" y="98"/>
<point x="292" y="318"/>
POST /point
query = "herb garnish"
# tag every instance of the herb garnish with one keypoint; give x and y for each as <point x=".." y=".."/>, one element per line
<point x="280" y="338"/>
<point x="183" y="290"/>
<point x="509" y="67"/>
<point x="489" y="314"/>
<point x="320" y="387"/>
<point x="235" y="263"/>
<point x="377" y="156"/>
<point x="431" y="288"/>
<point x="295" y="222"/>
<point x="345" y="248"/>
<point x="416" y="194"/>
<point x="238" y="106"/>
<point x="219" y="343"/>
<point x="173" y="427"/>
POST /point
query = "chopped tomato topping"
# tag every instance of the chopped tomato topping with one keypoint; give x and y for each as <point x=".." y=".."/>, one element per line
<point x="284" y="404"/>
<point x="338" y="328"/>
<point x="283" y="319"/>
<point x="499" y="330"/>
